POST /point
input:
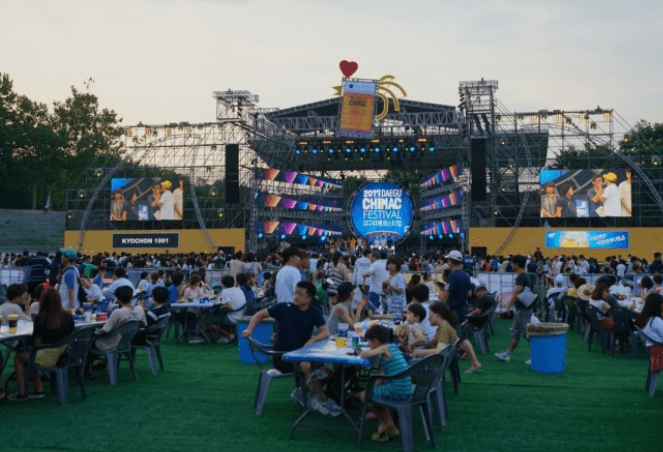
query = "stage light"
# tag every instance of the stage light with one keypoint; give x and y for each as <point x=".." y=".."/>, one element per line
<point x="212" y="192"/>
<point x="220" y="212"/>
<point x="69" y="215"/>
<point x="260" y="235"/>
<point x="462" y="234"/>
<point x="348" y="150"/>
<point x="314" y="151"/>
<point x="503" y="189"/>
<point x="431" y="149"/>
<point x="439" y="236"/>
<point x="298" y="151"/>
<point x="395" y="149"/>
<point x="412" y="148"/>
<point x="362" y="150"/>
<point x="303" y="237"/>
<point x="511" y="164"/>
<point x="496" y="211"/>
<point x="502" y="142"/>
<point x="330" y="150"/>
<point x="306" y="150"/>
<point x="656" y="161"/>
<point x="81" y="193"/>
<point x="282" y="236"/>
<point x="430" y="237"/>
<point x="377" y="149"/>
<point x="451" y="236"/>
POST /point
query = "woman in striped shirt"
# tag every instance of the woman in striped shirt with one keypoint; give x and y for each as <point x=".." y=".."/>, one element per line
<point x="392" y="362"/>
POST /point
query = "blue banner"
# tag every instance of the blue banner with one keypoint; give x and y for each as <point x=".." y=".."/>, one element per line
<point x="587" y="239"/>
<point x="382" y="209"/>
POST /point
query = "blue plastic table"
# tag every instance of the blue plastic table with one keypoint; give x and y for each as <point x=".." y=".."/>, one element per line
<point x="326" y="351"/>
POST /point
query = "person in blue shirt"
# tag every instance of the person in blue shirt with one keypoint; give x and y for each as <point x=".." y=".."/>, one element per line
<point x="243" y="283"/>
<point x="459" y="286"/>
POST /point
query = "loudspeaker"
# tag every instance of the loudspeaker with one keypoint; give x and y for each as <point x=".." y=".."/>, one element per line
<point x="478" y="169"/>
<point x="232" y="174"/>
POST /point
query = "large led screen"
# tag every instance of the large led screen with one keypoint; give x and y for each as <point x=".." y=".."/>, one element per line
<point x="146" y="199"/>
<point x="381" y="209"/>
<point x="585" y="193"/>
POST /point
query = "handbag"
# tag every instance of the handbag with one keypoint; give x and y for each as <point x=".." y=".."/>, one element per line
<point x="527" y="297"/>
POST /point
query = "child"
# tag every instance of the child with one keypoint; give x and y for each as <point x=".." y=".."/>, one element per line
<point x="392" y="363"/>
<point x="159" y="311"/>
<point x="412" y="336"/>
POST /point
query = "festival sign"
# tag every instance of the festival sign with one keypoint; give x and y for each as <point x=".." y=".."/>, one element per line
<point x="587" y="239"/>
<point x="381" y="209"/>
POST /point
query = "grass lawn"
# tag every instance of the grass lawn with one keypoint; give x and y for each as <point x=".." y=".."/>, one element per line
<point x="204" y="402"/>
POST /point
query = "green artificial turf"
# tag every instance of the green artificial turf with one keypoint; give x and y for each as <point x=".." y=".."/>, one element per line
<point x="204" y="402"/>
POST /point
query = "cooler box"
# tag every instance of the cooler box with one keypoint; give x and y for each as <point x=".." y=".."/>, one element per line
<point x="261" y="333"/>
<point x="547" y="343"/>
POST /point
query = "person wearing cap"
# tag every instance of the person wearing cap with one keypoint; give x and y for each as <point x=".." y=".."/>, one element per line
<point x="167" y="201"/>
<point x="288" y="277"/>
<point x="69" y="285"/>
<point x="459" y="286"/>
<point x="612" y="206"/>
<point x="342" y="310"/>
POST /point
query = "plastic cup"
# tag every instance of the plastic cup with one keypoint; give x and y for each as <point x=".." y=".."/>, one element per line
<point x="341" y="341"/>
<point x="93" y="318"/>
<point x="355" y="342"/>
<point x="13" y="321"/>
<point x="343" y="329"/>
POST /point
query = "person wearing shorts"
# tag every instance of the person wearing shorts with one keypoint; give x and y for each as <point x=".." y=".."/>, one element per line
<point x="523" y="314"/>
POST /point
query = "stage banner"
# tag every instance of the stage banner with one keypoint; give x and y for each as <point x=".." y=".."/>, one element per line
<point x="357" y="108"/>
<point x="382" y="209"/>
<point x="146" y="240"/>
<point x="587" y="239"/>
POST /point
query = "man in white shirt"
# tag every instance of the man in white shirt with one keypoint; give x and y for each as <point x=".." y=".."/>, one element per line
<point x="167" y="202"/>
<point x="236" y="265"/>
<point x="376" y="273"/>
<point x="583" y="265"/>
<point x="288" y="277"/>
<point x="611" y="201"/>
<point x="178" y="197"/>
<point x="625" y="194"/>
<point x="232" y="299"/>
<point x="119" y="280"/>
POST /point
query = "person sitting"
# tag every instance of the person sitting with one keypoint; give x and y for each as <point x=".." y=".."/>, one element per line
<point x="233" y="299"/>
<point x="420" y="296"/>
<point x="484" y="302"/>
<point x="411" y="334"/>
<point x="650" y="319"/>
<point x="442" y="317"/>
<point x="646" y="286"/>
<point x="193" y="291"/>
<point x="158" y="312"/>
<point x="296" y="322"/>
<point x="17" y="299"/>
<point x="125" y="313"/>
<point x="144" y="282"/>
<point x="342" y="311"/>
<point x="392" y="363"/>
<point x="244" y="281"/>
<point x="51" y="325"/>
<point x="92" y="291"/>
<point x="602" y="299"/>
<point x="119" y="280"/>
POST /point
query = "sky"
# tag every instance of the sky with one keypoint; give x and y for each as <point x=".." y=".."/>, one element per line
<point x="158" y="61"/>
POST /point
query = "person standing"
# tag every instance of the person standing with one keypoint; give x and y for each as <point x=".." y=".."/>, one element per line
<point x="69" y="285"/>
<point x="155" y="201"/>
<point x="459" y="286"/>
<point x="594" y="194"/>
<point x="394" y="288"/>
<point x="118" y="211"/>
<point x="178" y="197"/>
<point x="625" y="194"/>
<point x="376" y="273"/>
<point x="610" y="196"/>
<point x="167" y="202"/>
<point x="551" y="206"/>
<point x="288" y="277"/>
<point x="523" y="313"/>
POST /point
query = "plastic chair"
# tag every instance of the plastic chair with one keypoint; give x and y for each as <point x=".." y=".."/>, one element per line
<point x="78" y="344"/>
<point x="595" y="328"/>
<point x="425" y="373"/>
<point x="127" y="333"/>
<point x="585" y="321"/>
<point x="652" y="377"/>
<point x="623" y="330"/>
<point x="266" y="375"/>
<point x="438" y="390"/>
<point x="481" y="334"/>
<point x="153" y="347"/>
<point x="570" y="310"/>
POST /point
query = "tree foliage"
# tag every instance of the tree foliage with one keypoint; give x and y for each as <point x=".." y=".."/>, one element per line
<point x="44" y="153"/>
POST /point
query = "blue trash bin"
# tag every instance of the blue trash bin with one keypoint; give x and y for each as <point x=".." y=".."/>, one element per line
<point x="261" y="333"/>
<point x="548" y="347"/>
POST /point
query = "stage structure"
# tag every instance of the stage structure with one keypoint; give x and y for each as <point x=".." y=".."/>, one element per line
<point x="280" y="173"/>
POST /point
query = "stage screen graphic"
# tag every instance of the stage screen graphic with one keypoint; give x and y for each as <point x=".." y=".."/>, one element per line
<point x="381" y="209"/>
<point x="357" y="108"/>
<point x="587" y="239"/>
<point x="146" y="199"/>
<point x="585" y="193"/>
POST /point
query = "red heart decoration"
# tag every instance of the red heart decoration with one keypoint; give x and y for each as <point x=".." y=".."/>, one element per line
<point x="348" y="68"/>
